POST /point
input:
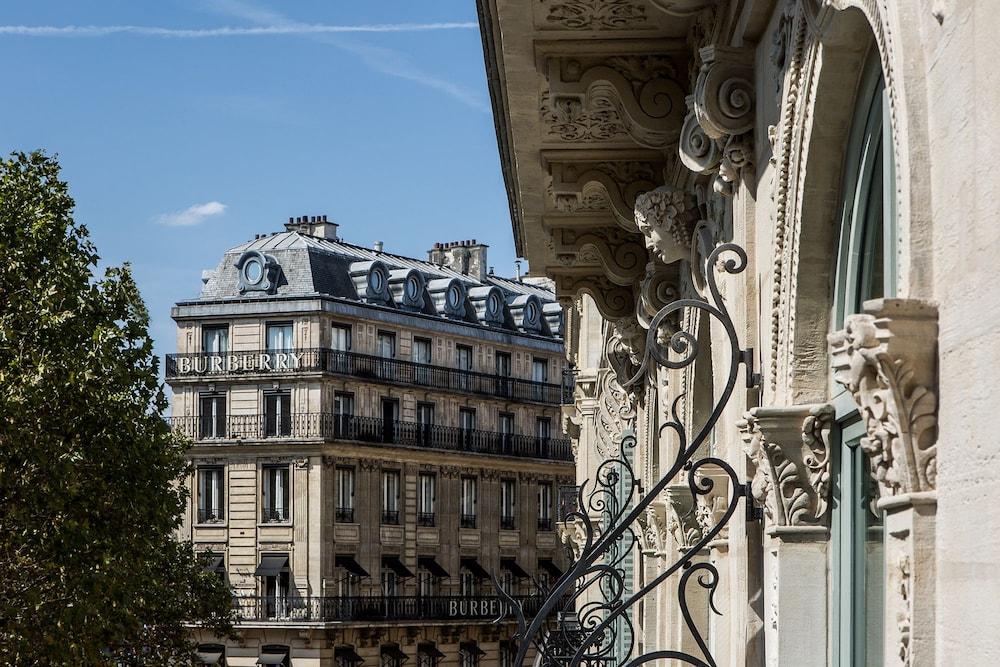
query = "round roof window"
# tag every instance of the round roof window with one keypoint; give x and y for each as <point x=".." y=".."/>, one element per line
<point x="253" y="271"/>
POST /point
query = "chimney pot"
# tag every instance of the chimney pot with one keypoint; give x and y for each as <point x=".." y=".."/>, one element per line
<point x="291" y="219"/>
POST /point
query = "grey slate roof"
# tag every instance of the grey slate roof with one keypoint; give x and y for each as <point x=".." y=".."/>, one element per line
<point x="311" y="266"/>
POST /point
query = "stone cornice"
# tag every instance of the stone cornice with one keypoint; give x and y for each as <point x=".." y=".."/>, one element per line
<point x="790" y="447"/>
<point x="886" y="357"/>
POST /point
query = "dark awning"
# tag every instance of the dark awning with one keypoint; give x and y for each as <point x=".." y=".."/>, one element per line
<point x="430" y="650"/>
<point x="214" y="563"/>
<point x="511" y="566"/>
<point x="473" y="566"/>
<point x="271" y="566"/>
<point x="349" y="654"/>
<point x="272" y="656"/>
<point x="432" y="566"/>
<point x="394" y="652"/>
<point x="472" y="647"/>
<point x="550" y="567"/>
<point x="209" y="655"/>
<point x="348" y="563"/>
<point x="396" y="565"/>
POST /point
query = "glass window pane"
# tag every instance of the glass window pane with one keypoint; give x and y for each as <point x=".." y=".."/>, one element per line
<point x="279" y="337"/>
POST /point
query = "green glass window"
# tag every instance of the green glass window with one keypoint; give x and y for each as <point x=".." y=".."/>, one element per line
<point x="866" y="269"/>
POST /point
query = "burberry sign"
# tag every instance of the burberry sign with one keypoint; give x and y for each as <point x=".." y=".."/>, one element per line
<point x="255" y="362"/>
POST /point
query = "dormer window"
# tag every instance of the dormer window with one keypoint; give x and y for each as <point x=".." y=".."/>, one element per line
<point x="257" y="272"/>
<point x="454" y="297"/>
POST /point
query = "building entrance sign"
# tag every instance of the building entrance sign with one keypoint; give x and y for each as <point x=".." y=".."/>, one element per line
<point x="592" y="599"/>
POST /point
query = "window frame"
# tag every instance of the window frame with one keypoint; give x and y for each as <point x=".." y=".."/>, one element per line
<point x="219" y="516"/>
<point x="267" y="492"/>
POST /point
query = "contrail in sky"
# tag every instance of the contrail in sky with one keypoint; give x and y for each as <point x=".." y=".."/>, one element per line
<point x="201" y="33"/>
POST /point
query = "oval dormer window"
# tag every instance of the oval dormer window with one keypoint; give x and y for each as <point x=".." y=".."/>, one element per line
<point x="494" y="305"/>
<point x="454" y="297"/>
<point x="531" y="312"/>
<point x="376" y="281"/>
<point x="412" y="288"/>
<point x="253" y="271"/>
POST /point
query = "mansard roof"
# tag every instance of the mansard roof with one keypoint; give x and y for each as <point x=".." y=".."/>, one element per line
<point x="299" y="264"/>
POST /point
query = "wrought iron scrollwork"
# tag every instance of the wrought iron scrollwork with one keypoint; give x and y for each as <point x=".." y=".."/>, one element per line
<point x="591" y="600"/>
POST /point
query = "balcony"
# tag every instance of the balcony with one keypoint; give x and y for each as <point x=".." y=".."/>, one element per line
<point x="211" y="515"/>
<point x="334" y="427"/>
<point x="425" y="519"/>
<point x="352" y="364"/>
<point x="508" y="523"/>
<point x="344" y="515"/>
<point x="468" y="521"/>
<point x="390" y="517"/>
<point x="375" y="608"/>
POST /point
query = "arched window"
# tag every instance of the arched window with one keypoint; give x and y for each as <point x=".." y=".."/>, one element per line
<point x="866" y="269"/>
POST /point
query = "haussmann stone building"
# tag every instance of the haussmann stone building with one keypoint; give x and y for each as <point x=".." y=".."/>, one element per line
<point x="839" y="143"/>
<point x="374" y="436"/>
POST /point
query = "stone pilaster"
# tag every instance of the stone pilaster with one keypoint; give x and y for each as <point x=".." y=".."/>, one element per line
<point x="886" y="356"/>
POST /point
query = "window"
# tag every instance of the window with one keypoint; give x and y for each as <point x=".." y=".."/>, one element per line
<point x="468" y="519"/>
<point x="392" y="656"/>
<point x="543" y="428"/>
<point x="390" y="497"/>
<point x="385" y="345"/>
<point x="545" y="506"/>
<point x="503" y="364"/>
<point x="426" y="497"/>
<point x="506" y="421"/>
<point x="390" y="419"/>
<point x="348" y="574"/>
<point x="508" y="652"/>
<point x="211" y="508"/>
<point x="277" y="414"/>
<point x="274" y="655"/>
<point x="279" y="337"/>
<point x="215" y="339"/>
<point x="428" y="579"/>
<point x="343" y="413"/>
<point x="508" y="501"/>
<point x="273" y="574"/>
<point x="425" y="422"/>
<point x="469" y="654"/>
<point x="340" y="339"/>
<point x="276" y="507"/>
<point x="866" y="269"/>
<point x="210" y="654"/>
<point x="428" y="655"/>
<point x="390" y="582"/>
<point x="345" y="494"/>
<point x="212" y="423"/>
<point x="464" y="357"/>
<point x="539" y="375"/>
<point x="346" y="656"/>
<point x="468" y="582"/>
<point x="508" y="582"/>
<point x="422" y="350"/>
<point x="467" y="422"/>
<point x="504" y="385"/>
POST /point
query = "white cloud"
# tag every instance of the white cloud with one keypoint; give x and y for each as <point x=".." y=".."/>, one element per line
<point x="202" y="33"/>
<point x="192" y="215"/>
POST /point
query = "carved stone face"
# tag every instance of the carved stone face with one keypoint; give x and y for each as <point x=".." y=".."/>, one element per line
<point x="666" y="217"/>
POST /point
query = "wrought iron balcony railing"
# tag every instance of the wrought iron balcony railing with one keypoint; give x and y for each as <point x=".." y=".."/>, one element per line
<point x="508" y="522"/>
<point x="425" y="519"/>
<point x="275" y="515"/>
<point x="330" y="426"/>
<point x="353" y="364"/>
<point x="344" y="515"/>
<point x="390" y="517"/>
<point x="468" y="521"/>
<point x="294" y="609"/>
<point x="544" y="523"/>
<point x="211" y="515"/>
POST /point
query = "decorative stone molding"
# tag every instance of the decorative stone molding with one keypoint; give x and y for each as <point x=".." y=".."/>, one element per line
<point x="595" y="14"/>
<point x="791" y="450"/>
<point x="620" y="254"/>
<point x="612" y="301"/>
<point x="573" y="536"/>
<point x="611" y="185"/>
<point x="697" y="151"/>
<point x="653" y="524"/>
<point x="615" y="413"/>
<point x="637" y="95"/>
<point x="450" y="472"/>
<point x="666" y="216"/>
<point x="886" y="357"/>
<point x="711" y="507"/>
<point x="723" y="94"/>
<point x="683" y="7"/>
<point x="489" y="474"/>
<point x="369" y="464"/>
<point x="682" y="522"/>
<point x="659" y="287"/>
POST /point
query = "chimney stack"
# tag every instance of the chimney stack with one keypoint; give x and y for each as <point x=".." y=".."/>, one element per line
<point x="378" y="246"/>
<point x="316" y="225"/>
<point x="467" y="257"/>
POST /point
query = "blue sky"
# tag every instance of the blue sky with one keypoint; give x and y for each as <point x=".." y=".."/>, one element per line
<point x="387" y="130"/>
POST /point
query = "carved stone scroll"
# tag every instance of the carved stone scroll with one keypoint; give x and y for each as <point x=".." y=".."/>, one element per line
<point x="620" y="254"/>
<point x="596" y="186"/>
<point x="887" y="358"/>
<point x="613" y="301"/>
<point x="723" y="95"/>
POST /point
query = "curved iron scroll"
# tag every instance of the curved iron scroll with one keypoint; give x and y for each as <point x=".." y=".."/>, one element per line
<point x="595" y="629"/>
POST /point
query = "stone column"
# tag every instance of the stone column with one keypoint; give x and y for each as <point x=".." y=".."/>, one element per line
<point x="790" y="448"/>
<point x="886" y="356"/>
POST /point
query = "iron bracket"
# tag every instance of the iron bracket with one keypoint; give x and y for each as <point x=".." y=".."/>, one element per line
<point x="753" y="378"/>
<point x="754" y="513"/>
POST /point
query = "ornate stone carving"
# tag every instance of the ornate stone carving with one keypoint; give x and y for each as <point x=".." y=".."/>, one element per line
<point x="489" y="474"/>
<point x="637" y="95"/>
<point x="613" y="301"/>
<point x="710" y="507"/>
<point x="666" y="217"/>
<point x="615" y="412"/>
<point x="790" y="448"/>
<point x="450" y="472"/>
<point x="369" y="464"/>
<point x="596" y="14"/>
<point x="886" y="358"/>
<point x="683" y="7"/>
<point x="573" y="536"/>
<point x="723" y="95"/>
<point x="697" y="151"/>
<point x="619" y="253"/>
<point x="682" y="522"/>
<point x="653" y="524"/>
<point x="659" y="287"/>
<point x="608" y="185"/>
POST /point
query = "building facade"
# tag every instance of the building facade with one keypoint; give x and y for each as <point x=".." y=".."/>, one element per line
<point x="832" y="140"/>
<point x="374" y="437"/>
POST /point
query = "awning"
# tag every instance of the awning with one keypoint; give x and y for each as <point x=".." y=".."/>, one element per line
<point x="430" y="650"/>
<point x="348" y="563"/>
<point x="550" y="567"/>
<point x="432" y="566"/>
<point x="214" y="563"/>
<point x="396" y="565"/>
<point x="272" y="657"/>
<point x="394" y="652"/>
<point x="511" y="566"/>
<point x="209" y="655"/>
<point x="473" y="566"/>
<point x="473" y="648"/>
<point x="271" y="566"/>
<point x="349" y="654"/>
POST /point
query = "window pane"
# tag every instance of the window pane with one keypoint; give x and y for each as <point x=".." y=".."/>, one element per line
<point x="215" y="339"/>
<point x="341" y="339"/>
<point x="279" y="337"/>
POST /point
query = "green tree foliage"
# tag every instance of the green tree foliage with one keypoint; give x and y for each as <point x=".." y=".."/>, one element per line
<point x="90" y="493"/>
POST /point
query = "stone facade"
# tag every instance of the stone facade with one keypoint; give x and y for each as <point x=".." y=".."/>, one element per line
<point x="368" y="448"/>
<point x="833" y="140"/>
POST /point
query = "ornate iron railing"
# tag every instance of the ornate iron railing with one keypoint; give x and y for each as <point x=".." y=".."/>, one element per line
<point x="294" y="608"/>
<point x="353" y="364"/>
<point x="600" y="631"/>
<point x="331" y="426"/>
